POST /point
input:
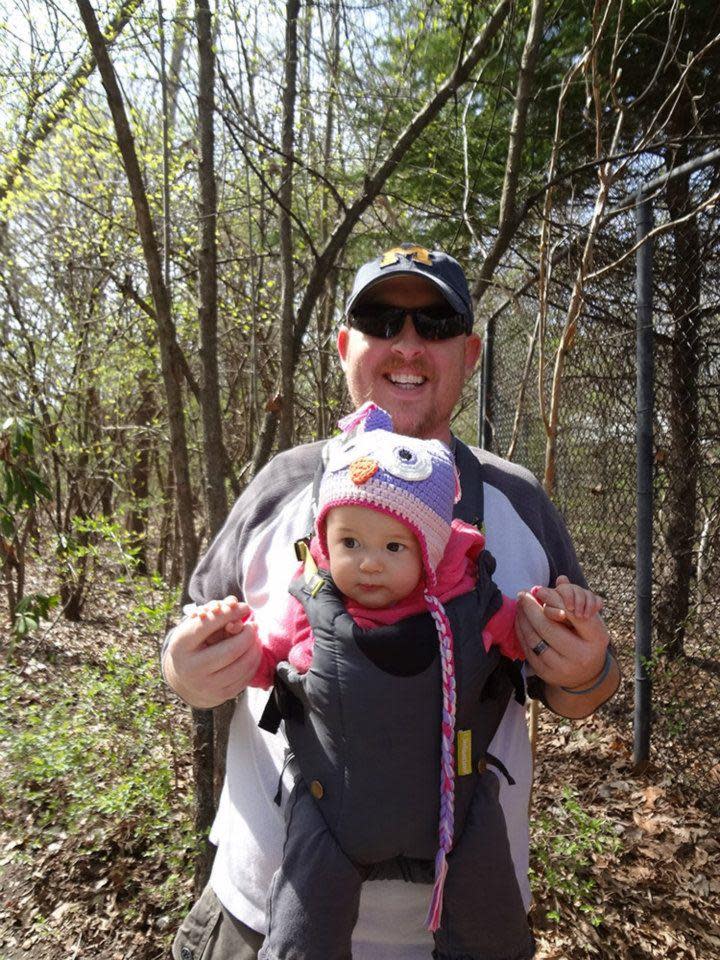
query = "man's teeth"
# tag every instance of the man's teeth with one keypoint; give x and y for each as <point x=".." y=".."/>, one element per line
<point x="405" y="378"/>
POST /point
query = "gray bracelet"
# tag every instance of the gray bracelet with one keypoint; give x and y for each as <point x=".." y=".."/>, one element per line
<point x="604" y="673"/>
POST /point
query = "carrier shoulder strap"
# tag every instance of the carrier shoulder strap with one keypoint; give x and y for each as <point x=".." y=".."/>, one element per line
<point x="282" y="702"/>
<point x="470" y="507"/>
<point x="317" y="479"/>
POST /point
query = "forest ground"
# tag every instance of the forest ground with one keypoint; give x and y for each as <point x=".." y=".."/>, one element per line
<point x="625" y="867"/>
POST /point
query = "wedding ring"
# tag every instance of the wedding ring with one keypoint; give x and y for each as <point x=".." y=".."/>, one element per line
<point x="540" y="647"/>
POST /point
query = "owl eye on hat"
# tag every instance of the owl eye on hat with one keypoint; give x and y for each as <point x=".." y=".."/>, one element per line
<point x="413" y="480"/>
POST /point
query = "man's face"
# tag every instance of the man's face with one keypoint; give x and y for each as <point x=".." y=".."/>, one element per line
<point x="417" y="381"/>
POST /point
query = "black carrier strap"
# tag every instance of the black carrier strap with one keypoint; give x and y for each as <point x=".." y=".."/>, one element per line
<point x="471" y="509"/>
<point x="470" y="506"/>
<point x="282" y="704"/>
<point x="272" y="714"/>
<point x="317" y="480"/>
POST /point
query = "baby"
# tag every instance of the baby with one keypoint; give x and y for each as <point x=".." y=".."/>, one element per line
<point x="385" y="690"/>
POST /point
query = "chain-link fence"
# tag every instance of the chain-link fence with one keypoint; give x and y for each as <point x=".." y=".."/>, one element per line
<point x="594" y="463"/>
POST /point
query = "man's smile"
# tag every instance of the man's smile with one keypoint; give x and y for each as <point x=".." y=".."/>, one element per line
<point x="407" y="381"/>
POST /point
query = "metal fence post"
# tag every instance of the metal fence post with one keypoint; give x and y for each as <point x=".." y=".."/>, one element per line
<point x="485" y="406"/>
<point x="644" y="447"/>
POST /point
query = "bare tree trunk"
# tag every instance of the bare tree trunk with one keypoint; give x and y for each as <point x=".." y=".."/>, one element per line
<point x="13" y="574"/>
<point x="246" y="64"/>
<point x="97" y="435"/>
<point x="202" y="754"/>
<point x="169" y="352"/>
<point x="136" y="522"/>
<point x="210" y="727"/>
<point x="679" y="509"/>
<point x="207" y="279"/>
<point x="325" y="318"/>
<point x="176" y="56"/>
<point x="175" y="576"/>
<point x="287" y="321"/>
<point x="605" y="181"/>
<point x="72" y="545"/>
<point x="325" y="326"/>
<point x="567" y="335"/>
<point x="166" y="483"/>
<point x="306" y="143"/>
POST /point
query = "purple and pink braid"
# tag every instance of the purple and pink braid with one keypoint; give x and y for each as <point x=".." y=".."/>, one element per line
<point x="446" y="827"/>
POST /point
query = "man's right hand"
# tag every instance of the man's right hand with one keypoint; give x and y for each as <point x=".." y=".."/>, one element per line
<point x="213" y="654"/>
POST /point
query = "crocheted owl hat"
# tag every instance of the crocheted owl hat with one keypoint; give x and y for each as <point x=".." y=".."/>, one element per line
<point x="416" y="482"/>
<point x="413" y="480"/>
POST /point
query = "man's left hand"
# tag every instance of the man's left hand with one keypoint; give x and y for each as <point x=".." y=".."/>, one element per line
<point x="565" y="657"/>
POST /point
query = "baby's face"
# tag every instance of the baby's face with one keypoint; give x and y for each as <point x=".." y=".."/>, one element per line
<point x="374" y="559"/>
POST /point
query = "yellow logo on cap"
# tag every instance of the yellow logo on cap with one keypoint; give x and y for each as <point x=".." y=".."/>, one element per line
<point x="419" y="254"/>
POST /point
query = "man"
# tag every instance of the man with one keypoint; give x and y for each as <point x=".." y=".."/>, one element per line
<point x="407" y="344"/>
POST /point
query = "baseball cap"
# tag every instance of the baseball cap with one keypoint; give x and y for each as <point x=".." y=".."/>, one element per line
<point x="442" y="270"/>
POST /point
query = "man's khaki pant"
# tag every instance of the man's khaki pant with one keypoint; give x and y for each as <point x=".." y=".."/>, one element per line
<point x="209" y="932"/>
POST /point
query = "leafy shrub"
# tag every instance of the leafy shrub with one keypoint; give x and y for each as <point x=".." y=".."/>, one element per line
<point x="565" y="839"/>
<point x="93" y="753"/>
<point x="33" y="608"/>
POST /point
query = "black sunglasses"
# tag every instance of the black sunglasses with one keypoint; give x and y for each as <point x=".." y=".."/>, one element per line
<point x="431" y="323"/>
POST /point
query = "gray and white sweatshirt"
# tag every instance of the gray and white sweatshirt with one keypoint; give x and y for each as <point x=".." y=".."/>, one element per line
<point x="252" y="557"/>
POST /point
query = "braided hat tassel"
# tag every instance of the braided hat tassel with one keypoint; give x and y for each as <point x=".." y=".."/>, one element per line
<point x="447" y="758"/>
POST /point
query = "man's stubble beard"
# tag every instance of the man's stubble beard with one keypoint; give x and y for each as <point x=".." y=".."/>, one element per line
<point x="422" y="428"/>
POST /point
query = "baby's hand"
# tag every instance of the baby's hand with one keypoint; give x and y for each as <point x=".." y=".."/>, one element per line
<point x="567" y="601"/>
<point x="213" y="653"/>
<point x="218" y="618"/>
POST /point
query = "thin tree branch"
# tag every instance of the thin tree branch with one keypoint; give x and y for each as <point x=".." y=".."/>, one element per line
<point x="207" y="275"/>
<point x="167" y="338"/>
<point x="287" y="269"/>
<point x="507" y="216"/>
<point x="60" y="107"/>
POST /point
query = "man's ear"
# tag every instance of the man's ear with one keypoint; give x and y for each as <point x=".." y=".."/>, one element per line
<point x="342" y="341"/>
<point x="473" y="349"/>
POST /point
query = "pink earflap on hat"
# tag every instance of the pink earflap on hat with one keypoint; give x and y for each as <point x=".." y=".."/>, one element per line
<point x="416" y="482"/>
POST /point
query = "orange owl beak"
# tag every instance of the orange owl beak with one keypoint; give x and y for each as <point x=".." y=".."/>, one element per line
<point x="362" y="469"/>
